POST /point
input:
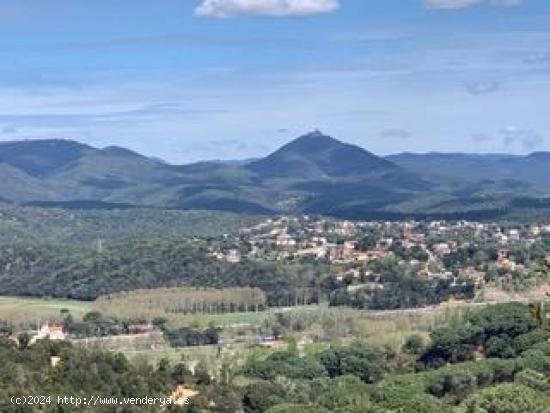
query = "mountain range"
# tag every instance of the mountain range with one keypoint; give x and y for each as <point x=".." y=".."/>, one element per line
<point x="314" y="173"/>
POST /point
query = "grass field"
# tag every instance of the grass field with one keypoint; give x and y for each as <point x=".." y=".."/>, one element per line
<point x="322" y="326"/>
<point x="390" y="328"/>
<point x="187" y="306"/>
<point x="222" y="320"/>
<point x="28" y="310"/>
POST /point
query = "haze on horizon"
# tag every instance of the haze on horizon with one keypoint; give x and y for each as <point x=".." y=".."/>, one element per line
<point x="211" y="79"/>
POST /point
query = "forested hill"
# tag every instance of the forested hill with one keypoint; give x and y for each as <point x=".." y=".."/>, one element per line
<point x="34" y="269"/>
<point x="59" y="271"/>
<point x="314" y="173"/>
<point x="86" y="228"/>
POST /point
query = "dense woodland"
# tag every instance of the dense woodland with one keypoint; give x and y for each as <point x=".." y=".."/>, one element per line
<point x="404" y="292"/>
<point x="46" y="270"/>
<point x="89" y="227"/>
<point x="35" y="269"/>
<point x="496" y="360"/>
<point x="27" y="371"/>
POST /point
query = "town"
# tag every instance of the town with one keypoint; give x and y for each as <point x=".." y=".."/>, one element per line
<point x="509" y="256"/>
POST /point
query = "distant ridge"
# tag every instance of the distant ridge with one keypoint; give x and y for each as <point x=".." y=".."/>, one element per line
<point x="314" y="173"/>
<point x="42" y="157"/>
<point x="533" y="168"/>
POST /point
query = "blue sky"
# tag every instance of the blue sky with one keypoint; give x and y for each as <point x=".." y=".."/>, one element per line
<point x="208" y="79"/>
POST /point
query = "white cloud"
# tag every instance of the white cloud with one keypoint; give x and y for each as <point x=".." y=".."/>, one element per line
<point x="537" y="58"/>
<point x="482" y="88"/>
<point x="528" y="139"/>
<point x="449" y="4"/>
<point x="460" y="4"/>
<point x="277" y="8"/>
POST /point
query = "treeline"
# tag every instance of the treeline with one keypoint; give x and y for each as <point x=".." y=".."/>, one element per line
<point x="95" y="324"/>
<point x="189" y="337"/>
<point x="405" y="292"/>
<point x="182" y="300"/>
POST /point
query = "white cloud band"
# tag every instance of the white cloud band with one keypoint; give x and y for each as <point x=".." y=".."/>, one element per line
<point x="285" y="8"/>
<point x="460" y="4"/>
<point x="234" y="8"/>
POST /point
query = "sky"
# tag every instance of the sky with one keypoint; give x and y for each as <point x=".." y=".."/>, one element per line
<point x="188" y="80"/>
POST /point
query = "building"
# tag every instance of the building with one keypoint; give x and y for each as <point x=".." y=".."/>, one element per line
<point x="140" y="328"/>
<point x="285" y="240"/>
<point x="233" y="256"/>
<point x="441" y="249"/>
<point x="52" y="331"/>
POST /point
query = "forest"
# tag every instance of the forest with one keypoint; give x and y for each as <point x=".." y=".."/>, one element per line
<point x="86" y="227"/>
<point x="59" y="271"/>
<point x="51" y="270"/>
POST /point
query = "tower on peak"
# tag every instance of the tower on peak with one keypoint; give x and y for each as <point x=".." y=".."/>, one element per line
<point x="316" y="132"/>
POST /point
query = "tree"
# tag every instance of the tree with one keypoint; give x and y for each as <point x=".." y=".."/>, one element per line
<point x="24" y="340"/>
<point x="6" y="329"/>
<point x="258" y="397"/>
<point x="539" y="314"/>
<point x="359" y="359"/>
<point x="499" y="347"/>
<point x="506" y="398"/>
<point x="493" y="329"/>
<point x="287" y="364"/>
<point x="202" y="375"/>
<point x="414" y="344"/>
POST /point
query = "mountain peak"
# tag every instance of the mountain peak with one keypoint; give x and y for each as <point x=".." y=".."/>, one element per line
<point x="41" y="156"/>
<point x="319" y="156"/>
<point x="312" y="141"/>
<point x="538" y="155"/>
<point x="315" y="133"/>
<point x="121" y="151"/>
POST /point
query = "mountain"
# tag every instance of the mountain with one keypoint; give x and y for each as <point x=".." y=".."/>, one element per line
<point x="43" y="157"/>
<point x="317" y="156"/>
<point x="533" y="169"/>
<point x="65" y="170"/>
<point x="314" y="173"/>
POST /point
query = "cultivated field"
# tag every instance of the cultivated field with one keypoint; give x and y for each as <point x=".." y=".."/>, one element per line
<point x="183" y="306"/>
<point x="30" y="310"/>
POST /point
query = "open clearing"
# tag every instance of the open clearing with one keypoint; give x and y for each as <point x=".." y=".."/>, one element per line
<point x="24" y="309"/>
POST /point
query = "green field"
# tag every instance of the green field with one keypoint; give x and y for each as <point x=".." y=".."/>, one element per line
<point x="23" y="310"/>
<point x="225" y="320"/>
<point x="26" y="309"/>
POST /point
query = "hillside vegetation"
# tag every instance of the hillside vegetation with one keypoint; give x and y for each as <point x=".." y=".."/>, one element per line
<point x="60" y="271"/>
<point x="495" y="360"/>
<point x="88" y="227"/>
